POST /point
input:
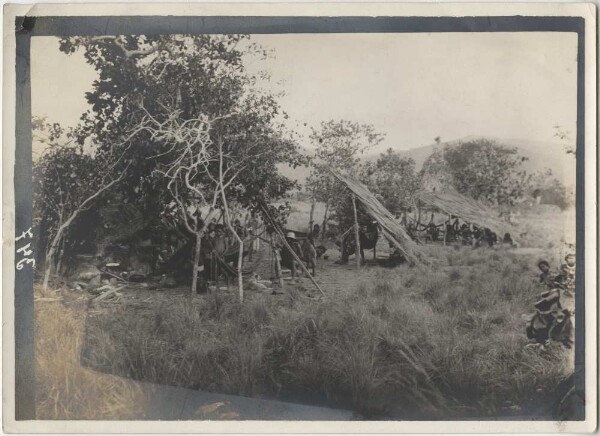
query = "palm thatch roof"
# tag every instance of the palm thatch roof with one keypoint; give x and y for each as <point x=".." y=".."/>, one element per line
<point x="470" y="210"/>
<point x="392" y="230"/>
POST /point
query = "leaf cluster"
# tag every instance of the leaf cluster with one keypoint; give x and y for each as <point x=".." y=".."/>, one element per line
<point x="393" y="179"/>
<point x="169" y="82"/>
<point x="482" y="169"/>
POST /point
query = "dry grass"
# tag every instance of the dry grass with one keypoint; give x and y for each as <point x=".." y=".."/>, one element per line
<point x="64" y="388"/>
<point x="444" y="344"/>
<point x="447" y="342"/>
<point x="546" y="227"/>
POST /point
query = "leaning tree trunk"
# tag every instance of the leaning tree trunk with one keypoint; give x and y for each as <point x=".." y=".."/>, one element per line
<point x="53" y="246"/>
<point x="49" y="261"/>
<point x="312" y="212"/>
<point x="67" y="223"/>
<point x="59" y="259"/>
<point x="324" y="228"/>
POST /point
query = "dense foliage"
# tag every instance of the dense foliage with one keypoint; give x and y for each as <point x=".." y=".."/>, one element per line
<point x="482" y="169"/>
<point x="392" y="178"/>
<point x="150" y="84"/>
<point x="338" y="145"/>
<point x="62" y="178"/>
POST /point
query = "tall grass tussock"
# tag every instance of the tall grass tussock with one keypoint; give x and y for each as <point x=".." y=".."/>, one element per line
<point x="64" y="388"/>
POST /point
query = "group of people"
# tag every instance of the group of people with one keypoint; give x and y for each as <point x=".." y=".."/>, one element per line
<point x="219" y="250"/>
<point x="452" y="230"/>
<point x="552" y="319"/>
<point x="306" y="251"/>
<point x="565" y="279"/>
<point x="221" y="246"/>
<point x="368" y="234"/>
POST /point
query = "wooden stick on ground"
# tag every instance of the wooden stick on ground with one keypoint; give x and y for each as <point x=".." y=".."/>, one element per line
<point x="108" y="293"/>
<point x="46" y="299"/>
<point x="114" y="275"/>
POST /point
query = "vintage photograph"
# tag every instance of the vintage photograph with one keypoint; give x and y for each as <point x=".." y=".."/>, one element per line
<point x="306" y="226"/>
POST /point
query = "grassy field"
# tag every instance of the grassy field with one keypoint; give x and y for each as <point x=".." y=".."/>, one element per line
<point x="441" y="342"/>
<point x="64" y="388"/>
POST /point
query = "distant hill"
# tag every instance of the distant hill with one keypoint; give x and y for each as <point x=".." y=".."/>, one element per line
<point x="540" y="155"/>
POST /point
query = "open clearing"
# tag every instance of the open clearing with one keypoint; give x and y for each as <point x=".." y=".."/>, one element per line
<point x="408" y="342"/>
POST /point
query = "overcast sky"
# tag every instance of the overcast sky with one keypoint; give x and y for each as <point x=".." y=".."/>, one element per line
<point x="412" y="87"/>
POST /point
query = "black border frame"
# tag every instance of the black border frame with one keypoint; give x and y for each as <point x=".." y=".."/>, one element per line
<point x="27" y="27"/>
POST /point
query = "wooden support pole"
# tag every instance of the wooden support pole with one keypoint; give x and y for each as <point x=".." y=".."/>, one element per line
<point x="375" y="250"/>
<point x="356" y="235"/>
<point x="324" y="226"/>
<point x="446" y="232"/>
<point x="272" y="258"/>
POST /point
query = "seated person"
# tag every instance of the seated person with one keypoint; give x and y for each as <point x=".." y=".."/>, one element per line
<point x="138" y="269"/>
<point x="314" y="233"/>
<point x="567" y="275"/>
<point x="411" y="230"/>
<point x="287" y="259"/>
<point x="396" y="258"/>
<point x="451" y="229"/>
<point x="550" y="321"/>
<point x="477" y="233"/>
<point x="465" y="234"/>
<point x="546" y="276"/>
<point x="220" y="241"/>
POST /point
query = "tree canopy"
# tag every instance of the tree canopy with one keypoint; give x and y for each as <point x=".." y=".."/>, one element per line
<point x="153" y="90"/>
<point x="393" y="179"/>
<point x="339" y="145"/>
<point x="480" y="168"/>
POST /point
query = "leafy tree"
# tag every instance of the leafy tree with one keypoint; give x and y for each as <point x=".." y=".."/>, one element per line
<point x="67" y="182"/>
<point x="392" y="178"/>
<point x="181" y="101"/>
<point x="147" y="76"/>
<point x="338" y="145"/>
<point x="482" y="169"/>
<point x="200" y="76"/>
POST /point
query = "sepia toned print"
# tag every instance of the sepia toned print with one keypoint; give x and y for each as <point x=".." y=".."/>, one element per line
<point x="306" y="226"/>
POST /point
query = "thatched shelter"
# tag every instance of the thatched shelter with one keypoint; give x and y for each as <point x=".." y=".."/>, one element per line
<point x="468" y="209"/>
<point x="392" y="229"/>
